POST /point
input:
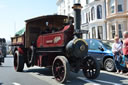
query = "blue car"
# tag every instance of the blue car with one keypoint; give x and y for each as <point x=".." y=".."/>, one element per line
<point x="101" y="51"/>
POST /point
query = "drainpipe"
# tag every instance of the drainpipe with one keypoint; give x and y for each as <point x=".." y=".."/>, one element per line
<point x="105" y="19"/>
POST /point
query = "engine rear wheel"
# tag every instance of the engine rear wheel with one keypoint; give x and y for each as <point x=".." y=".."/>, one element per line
<point x="30" y="56"/>
<point x="61" y="69"/>
<point x="91" y="68"/>
<point x="18" y="61"/>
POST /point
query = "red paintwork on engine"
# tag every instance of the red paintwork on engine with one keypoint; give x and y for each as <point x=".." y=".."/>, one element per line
<point x="57" y="39"/>
<point x="40" y="60"/>
<point x="52" y="39"/>
<point x="20" y="50"/>
<point x="66" y="28"/>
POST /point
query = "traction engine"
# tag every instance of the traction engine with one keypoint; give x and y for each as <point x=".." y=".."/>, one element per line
<point x="63" y="50"/>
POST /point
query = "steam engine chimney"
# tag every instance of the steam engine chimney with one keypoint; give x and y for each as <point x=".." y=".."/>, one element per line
<point x="77" y="19"/>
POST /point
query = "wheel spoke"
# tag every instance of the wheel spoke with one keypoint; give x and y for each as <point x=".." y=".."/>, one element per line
<point x="93" y="71"/>
<point x="89" y="73"/>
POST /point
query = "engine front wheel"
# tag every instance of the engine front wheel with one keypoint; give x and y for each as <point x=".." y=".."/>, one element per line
<point x="91" y="69"/>
<point x="18" y="61"/>
<point x="61" y="69"/>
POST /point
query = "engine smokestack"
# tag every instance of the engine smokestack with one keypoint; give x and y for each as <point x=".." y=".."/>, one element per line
<point x="77" y="19"/>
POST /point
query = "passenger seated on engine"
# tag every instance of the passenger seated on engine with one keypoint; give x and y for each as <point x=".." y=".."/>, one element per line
<point x="50" y="29"/>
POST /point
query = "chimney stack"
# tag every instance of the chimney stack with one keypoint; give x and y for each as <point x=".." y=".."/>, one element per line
<point x="77" y="20"/>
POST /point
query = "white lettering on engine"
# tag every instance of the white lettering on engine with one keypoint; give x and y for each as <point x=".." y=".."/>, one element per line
<point x="56" y="39"/>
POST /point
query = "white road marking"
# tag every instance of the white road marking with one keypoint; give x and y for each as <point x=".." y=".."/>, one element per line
<point x="14" y="83"/>
<point x="108" y="82"/>
<point x="83" y="79"/>
<point x="101" y="81"/>
<point x="114" y="74"/>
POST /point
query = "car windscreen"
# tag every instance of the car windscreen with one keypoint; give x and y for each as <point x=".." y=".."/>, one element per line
<point x="107" y="44"/>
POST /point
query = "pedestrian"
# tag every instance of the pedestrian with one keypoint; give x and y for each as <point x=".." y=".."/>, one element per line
<point x="125" y="48"/>
<point x="117" y="52"/>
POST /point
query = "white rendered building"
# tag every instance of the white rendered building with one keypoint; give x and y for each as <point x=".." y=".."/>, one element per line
<point x="65" y="7"/>
<point x="93" y="19"/>
<point x="93" y="16"/>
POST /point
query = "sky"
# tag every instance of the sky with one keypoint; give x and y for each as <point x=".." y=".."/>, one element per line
<point x="13" y="14"/>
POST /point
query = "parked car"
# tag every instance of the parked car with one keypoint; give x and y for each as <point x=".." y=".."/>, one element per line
<point x="101" y="50"/>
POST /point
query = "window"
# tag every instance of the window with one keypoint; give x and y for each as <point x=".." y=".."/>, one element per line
<point x="120" y="31"/>
<point x="93" y="13"/>
<point x="86" y="1"/>
<point x="93" y="32"/>
<point x="89" y="16"/>
<point x="112" y="6"/>
<point x="120" y="4"/>
<point x="99" y="12"/>
<point x="94" y="45"/>
<point x="68" y="8"/>
<point x="113" y="31"/>
<point x="100" y="32"/>
<point x="120" y="8"/>
<point x="64" y="12"/>
<point x="86" y="17"/>
<point x="107" y="44"/>
<point x="112" y="9"/>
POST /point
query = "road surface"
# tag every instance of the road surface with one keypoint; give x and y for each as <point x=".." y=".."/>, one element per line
<point x="42" y="76"/>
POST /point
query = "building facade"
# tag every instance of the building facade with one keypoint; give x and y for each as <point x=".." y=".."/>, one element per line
<point x="93" y="16"/>
<point x="65" y="7"/>
<point x="116" y="17"/>
<point x="93" y="19"/>
<point x="103" y="19"/>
